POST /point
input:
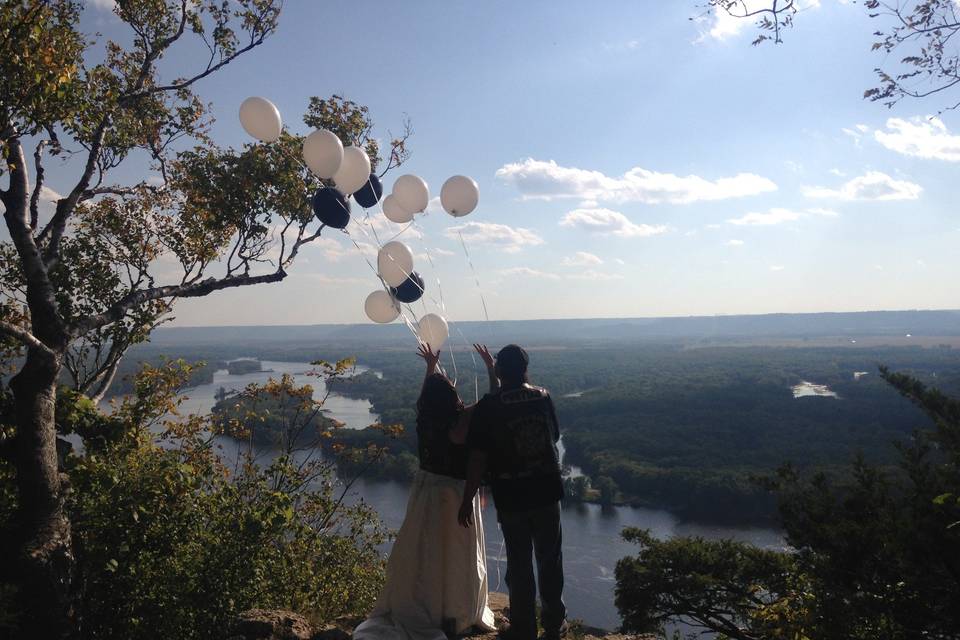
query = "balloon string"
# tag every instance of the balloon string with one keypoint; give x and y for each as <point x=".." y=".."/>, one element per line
<point x="476" y="375"/>
<point x="376" y="272"/>
<point x="443" y="307"/>
<point x="476" y="278"/>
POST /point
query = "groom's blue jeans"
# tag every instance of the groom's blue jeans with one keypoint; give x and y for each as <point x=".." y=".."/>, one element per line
<point x="528" y="534"/>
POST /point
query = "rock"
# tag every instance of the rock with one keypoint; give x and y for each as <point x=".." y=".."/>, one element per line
<point x="332" y="632"/>
<point x="271" y="624"/>
<point x="500" y="605"/>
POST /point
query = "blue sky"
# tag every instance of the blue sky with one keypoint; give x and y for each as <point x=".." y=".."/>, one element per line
<point x="631" y="162"/>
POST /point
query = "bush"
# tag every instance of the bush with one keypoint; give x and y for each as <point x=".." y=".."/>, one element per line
<point x="171" y="541"/>
<point x="875" y="554"/>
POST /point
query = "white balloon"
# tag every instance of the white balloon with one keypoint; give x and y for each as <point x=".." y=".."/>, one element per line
<point x="394" y="212"/>
<point x="412" y="193"/>
<point x="261" y="119"/>
<point x="381" y="308"/>
<point x="433" y="330"/>
<point x="323" y="153"/>
<point x="459" y="195"/>
<point x="395" y="263"/>
<point x="354" y="171"/>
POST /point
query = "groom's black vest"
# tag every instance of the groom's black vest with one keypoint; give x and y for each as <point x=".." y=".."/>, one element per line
<point x="517" y="428"/>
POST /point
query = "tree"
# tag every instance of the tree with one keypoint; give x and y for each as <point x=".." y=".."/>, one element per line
<point x="922" y="32"/>
<point x="607" y="487"/>
<point x="721" y="585"/>
<point x="876" y="553"/>
<point x="78" y="289"/>
<point x="175" y="541"/>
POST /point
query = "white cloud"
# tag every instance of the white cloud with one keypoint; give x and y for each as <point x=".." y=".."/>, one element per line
<point x="323" y="278"/>
<point x="837" y="172"/>
<point x="581" y="259"/>
<point x="437" y="251"/>
<point x="105" y="5"/>
<point x="779" y="215"/>
<point x="546" y="180"/>
<point x="507" y="238"/>
<point x="527" y="272"/>
<point x="376" y="226"/>
<point x="607" y="222"/>
<point x="593" y="275"/>
<point x="49" y="195"/>
<point x="776" y="267"/>
<point x="920" y="137"/>
<point x="726" y="26"/>
<point x="434" y="206"/>
<point x="774" y="216"/>
<point x="619" y="261"/>
<point x="734" y="243"/>
<point x="590" y="275"/>
<point x="335" y="251"/>
<point x="873" y="185"/>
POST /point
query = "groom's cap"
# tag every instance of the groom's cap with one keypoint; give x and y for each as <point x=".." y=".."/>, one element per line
<point x="513" y="358"/>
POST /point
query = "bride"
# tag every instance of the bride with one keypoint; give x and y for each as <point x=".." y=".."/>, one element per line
<point x="437" y="572"/>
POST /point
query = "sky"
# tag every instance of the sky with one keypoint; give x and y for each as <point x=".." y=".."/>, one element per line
<point x="631" y="161"/>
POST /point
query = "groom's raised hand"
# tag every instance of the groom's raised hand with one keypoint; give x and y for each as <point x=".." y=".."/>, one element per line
<point x="465" y="514"/>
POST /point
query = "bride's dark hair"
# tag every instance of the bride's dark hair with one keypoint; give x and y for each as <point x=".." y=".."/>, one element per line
<point x="439" y="402"/>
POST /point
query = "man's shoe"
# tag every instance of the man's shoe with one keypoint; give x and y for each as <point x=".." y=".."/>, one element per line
<point x="509" y="633"/>
<point x="556" y="634"/>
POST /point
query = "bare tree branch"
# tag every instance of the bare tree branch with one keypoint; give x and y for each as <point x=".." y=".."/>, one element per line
<point x="24" y="336"/>
<point x="196" y="290"/>
<point x="40" y="294"/>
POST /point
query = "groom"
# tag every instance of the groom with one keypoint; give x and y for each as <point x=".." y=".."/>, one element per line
<point x="513" y="436"/>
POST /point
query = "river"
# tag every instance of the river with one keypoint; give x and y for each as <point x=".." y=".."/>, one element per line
<point x="591" y="534"/>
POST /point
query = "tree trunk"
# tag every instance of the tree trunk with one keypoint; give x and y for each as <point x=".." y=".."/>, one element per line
<point x="44" y="560"/>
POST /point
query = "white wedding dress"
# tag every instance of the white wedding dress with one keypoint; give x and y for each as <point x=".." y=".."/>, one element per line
<point x="437" y="571"/>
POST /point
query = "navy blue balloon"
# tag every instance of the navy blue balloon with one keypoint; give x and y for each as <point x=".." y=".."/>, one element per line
<point x="369" y="194"/>
<point x="331" y="207"/>
<point x="410" y="289"/>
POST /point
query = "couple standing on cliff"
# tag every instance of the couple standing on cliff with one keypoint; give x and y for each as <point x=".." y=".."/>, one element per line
<point x="437" y="572"/>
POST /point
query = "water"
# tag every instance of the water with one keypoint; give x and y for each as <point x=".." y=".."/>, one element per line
<point x="355" y="414"/>
<point x="591" y="534"/>
<point x="810" y="389"/>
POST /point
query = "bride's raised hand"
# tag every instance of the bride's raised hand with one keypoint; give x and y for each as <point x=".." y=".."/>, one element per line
<point x="431" y="358"/>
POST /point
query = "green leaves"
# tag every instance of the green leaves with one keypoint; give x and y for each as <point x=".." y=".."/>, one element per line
<point x="173" y="542"/>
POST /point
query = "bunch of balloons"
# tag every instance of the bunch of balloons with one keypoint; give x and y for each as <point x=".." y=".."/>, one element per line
<point x="348" y="168"/>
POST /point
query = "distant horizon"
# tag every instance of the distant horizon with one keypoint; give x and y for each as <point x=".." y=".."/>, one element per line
<point x="663" y="317"/>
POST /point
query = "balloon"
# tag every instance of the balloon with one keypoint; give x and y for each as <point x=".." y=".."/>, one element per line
<point x="331" y="208"/>
<point x="395" y="263"/>
<point x="353" y="171"/>
<point x="412" y="193"/>
<point x="380" y="307"/>
<point x="369" y="194"/>
<point x="410" y="289"/>
<point x="459" y="196"/>
<point x="261" y="119"/>
<point x="433" y="330"/>
<point x="394" y="212"/>
<point x="323" y="153"/>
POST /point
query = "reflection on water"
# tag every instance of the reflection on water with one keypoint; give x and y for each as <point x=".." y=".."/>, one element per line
<point x="806" y="389"/>
<point x="591" y="533"/>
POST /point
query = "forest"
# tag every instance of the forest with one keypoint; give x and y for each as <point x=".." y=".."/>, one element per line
<point x="690" y="429"/>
